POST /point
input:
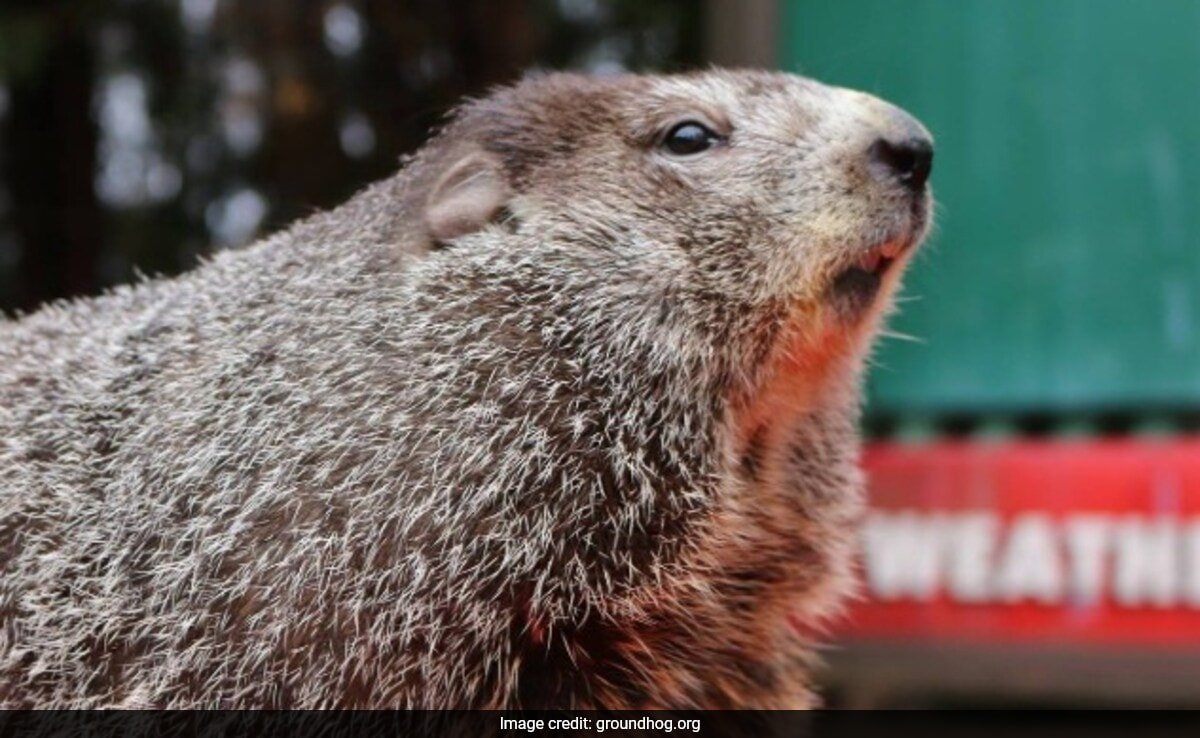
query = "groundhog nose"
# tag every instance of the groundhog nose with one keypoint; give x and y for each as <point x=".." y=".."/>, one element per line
<point x="909" y="161"/>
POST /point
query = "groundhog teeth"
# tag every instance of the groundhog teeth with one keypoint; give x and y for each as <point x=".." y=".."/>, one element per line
<point x="892" y="248"/>
<point x="885" y="252"/>
<point x="869" y="262"/>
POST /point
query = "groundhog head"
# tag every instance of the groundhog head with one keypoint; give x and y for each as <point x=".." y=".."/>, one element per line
<point x="777" y="189"/>
<point x="681" y="273"/>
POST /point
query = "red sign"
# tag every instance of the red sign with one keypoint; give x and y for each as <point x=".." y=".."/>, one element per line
<point x="1062" y="541"/>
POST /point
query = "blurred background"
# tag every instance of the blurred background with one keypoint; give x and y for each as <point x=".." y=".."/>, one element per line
<point x="139" y="134"/>
<point x="1034" y="535"/>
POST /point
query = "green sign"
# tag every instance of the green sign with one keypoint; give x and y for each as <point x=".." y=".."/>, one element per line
<point x="1064" y="271"/>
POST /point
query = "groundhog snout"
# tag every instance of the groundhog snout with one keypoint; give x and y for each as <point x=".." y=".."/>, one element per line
<point x="901" y="152"/>
<point x="908" y="162"/>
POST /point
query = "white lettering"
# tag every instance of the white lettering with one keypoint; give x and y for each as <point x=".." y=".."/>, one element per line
<point x="1087" y="539"/>
<point x="1146" y="566"/>
<point x="1191" y="564"/>
<point x="978" y="557"/>
<point x="902" y="552"/>
<point x="1030" y="567"/>
<point x="970" y="546"/>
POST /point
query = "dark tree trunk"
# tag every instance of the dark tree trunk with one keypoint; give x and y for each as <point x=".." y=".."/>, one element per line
<point x="51" y="163"/>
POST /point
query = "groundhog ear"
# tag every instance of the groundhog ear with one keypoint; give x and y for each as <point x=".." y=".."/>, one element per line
<point x="471" y="194"/>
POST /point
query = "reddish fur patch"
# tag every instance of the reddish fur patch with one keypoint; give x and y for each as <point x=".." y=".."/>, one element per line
<point x="794" y="371"/>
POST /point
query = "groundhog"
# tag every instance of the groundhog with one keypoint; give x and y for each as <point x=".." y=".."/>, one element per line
<point x="563" y="415"/>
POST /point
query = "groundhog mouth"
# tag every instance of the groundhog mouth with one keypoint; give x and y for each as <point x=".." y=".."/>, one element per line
<point x="856" y="286"/>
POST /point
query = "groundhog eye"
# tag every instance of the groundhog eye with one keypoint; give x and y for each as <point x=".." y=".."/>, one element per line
<point x="690" y="137"/>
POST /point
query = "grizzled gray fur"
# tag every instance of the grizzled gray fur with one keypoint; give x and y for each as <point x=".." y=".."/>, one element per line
<point x="561" y="415"/>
